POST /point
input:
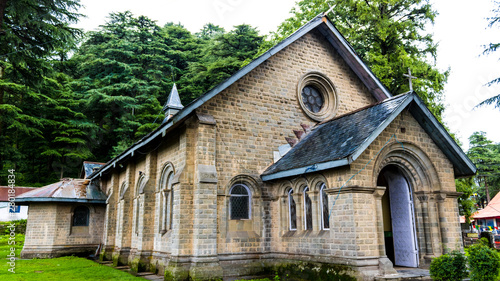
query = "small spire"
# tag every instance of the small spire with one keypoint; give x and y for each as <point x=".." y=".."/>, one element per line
<point x="173" y="104"/>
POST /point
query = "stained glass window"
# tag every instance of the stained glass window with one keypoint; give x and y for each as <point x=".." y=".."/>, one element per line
<point x="81" y="216"/>
<point x="307" y="210"/>
<point x="312" y="99"/>
<point x="324" y="203"/>
<point x="239" y="202"/>
<point x="292" y="210"/>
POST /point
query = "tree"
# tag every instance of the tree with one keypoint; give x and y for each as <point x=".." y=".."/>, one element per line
<point x="32" y="33"/>
<point x="491" y="48"/>
<point x="124" y="73"/>
<point x="223" y="54"/>
<point x="388" y="35"/>
<point x="486" y="156"/>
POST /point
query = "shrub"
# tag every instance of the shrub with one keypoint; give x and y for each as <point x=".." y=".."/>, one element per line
<point x="450" y="267"/>
<point x="484" y="263"/>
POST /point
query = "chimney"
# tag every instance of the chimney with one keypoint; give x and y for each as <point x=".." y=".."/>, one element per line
<point x="173" y="104"/>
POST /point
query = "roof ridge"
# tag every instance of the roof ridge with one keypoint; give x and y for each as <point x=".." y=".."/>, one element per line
<point x="364" y="108"/>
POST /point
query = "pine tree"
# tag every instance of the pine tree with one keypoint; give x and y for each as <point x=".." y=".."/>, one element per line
<point x="31" y="34"/>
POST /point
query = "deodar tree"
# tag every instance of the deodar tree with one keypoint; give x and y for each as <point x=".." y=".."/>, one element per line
<point x="389" y="36"/>
<point x="37" y="133"/>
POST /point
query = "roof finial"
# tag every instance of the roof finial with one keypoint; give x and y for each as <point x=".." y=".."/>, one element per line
<point x="410" y="78"/>
<point x="329" y="10"/>
<point x="173" y="104"/>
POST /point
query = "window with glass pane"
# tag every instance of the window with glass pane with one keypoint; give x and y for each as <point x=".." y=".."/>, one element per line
<point x="307" y="210"/>
<point x="313" y="99"/>
<point x="324" y="203"/>
<point x="81" y="216"/>
<point x="239" y="202"/>
<point x="292" y="210"/>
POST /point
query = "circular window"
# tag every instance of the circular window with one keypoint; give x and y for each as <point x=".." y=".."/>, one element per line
<point x="313" y="99"/>
<point x="317" y="96"/>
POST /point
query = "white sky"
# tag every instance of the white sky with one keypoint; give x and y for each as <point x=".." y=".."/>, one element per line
<point x="460" y="28"/>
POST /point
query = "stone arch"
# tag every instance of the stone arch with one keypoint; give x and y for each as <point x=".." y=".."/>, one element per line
<point x="284" y="187"/>
<point x="141" y="184"/>
<point x="417" y="168"/>
<point x="300" y="184"/>
<point x="168" y="168"/>
<point x="413" y="162"/>
<point x="123" y="190"/>
<point x="316" y="181"/>
<point x="253" y="183"/>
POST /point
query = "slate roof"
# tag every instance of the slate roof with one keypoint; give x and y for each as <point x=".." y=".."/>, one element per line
<point x="88" y="168"/>
<point x="338" y="138"/>
<point x="340" y="141"/>
<point x="66" y="190"/>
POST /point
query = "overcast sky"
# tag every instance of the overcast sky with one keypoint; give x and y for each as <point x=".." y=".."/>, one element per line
<point x="460" y="29"/>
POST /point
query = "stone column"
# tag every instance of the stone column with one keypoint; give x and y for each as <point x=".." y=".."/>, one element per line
<point x="205" y="262"/>
<point x="424" y="201"/>
<point x="384" y="264"/>
<point x="299" y="207"/>
<point x="441" y="197"/>
<point x="316" y="215"/>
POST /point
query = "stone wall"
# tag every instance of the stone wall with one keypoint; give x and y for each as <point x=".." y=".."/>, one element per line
<point x="50" y="232"/>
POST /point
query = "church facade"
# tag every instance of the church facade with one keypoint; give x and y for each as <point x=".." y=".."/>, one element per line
<point x="301" y="160"/>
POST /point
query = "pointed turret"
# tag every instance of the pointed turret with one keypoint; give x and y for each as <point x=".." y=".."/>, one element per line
<point x="173" y="104"/>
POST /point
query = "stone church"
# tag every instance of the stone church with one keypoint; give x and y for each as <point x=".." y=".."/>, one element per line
<point x="301" y="161"/>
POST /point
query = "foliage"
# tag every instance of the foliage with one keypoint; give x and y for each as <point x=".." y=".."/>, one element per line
<point x="388" y="35"/>
<point x="484" y="263"/>
<point x="466" y="202"/>
<point x="33" y="108"/>
<point x="222" y="55"/>
<point x="486" y="156"/>
<point x="492" y="48"/>
<point x="20" y="226"/>
<point x="449" y="267"/>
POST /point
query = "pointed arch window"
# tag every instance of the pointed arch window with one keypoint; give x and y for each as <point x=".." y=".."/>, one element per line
<point x="141" y="184"/>
<point x="308" y="225"/>
<point x="325" y="213"/>
<point x="166" y="199"/>
<point x="239" y="202"/>
<point x="292" y="211"/>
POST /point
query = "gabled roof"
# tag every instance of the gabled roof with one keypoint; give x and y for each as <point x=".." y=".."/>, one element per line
<point x="88" y="168"/>
<point x="491" y="210"/>
<point x="321" y="23"/>
<point x="340" y="141"/>
<point x="67" y="190"/>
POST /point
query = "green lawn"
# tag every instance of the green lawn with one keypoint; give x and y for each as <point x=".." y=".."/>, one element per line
<point x="66" y="268"/>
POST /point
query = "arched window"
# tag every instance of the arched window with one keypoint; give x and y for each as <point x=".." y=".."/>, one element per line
<point x="325" y="213"/>
<point x="81" y="216"/>
<point x="292" y="211"/>
<point x="239" y="202"/>
<point x="308" y="225"/>
<point x="166" y="198"/>
<point x="141" y="184"/>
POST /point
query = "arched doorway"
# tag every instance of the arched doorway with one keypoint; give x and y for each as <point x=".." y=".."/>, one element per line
<point x="399" y="217"/>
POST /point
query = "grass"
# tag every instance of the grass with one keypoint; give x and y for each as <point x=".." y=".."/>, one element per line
<point x="65" y="268"/>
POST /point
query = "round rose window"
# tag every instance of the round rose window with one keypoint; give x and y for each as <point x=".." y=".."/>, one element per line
<point x="312" y="99"/>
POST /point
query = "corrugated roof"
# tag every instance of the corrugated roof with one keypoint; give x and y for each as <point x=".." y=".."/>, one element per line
<point x="491" y="210"/>
<point x="67" y="190"/>
<point x="338" y="138"/>
<point x="4" y="192"/>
